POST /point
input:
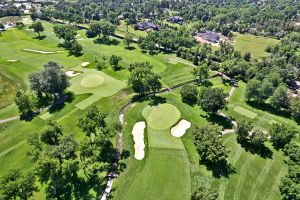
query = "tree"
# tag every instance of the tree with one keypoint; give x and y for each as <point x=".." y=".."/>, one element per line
<point x="247" y="56"/>
<point x="243" y="130"/>
<point x="114" y="62"/>
<point x="76" y="49"/>
<point x="20" y="25"/>
<point x="51" y="81"/>
<point x="142" y="79"/>
<point x="212" y="99"/>
<point x="280" y="98"/>
<point x="127" y="39"/>
<point x="282" y="134"/>
<point x="203" y="193"/>
<point x="253" y="90"/>
<point x="209" y="143"/>
<point x="67" y="33"/>
<point x="17" y="183"/>
<point x="26" y="103"/>
<point x="102" y="27"/>
<point x="295" y="108"/>
<point x="257" y="138"/>
<point x="57" y="166"/>
<point x="1" y="28"/>
<point x="37" y="27"/>
<point x="189" y="94"/>
<point x="92" y="122"/>
<point x="201" y="72"/>
<point x="52" y="133"/>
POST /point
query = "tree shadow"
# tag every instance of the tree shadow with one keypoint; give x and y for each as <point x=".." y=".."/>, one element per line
<point x="130" y="48"/>
<point x="60" y="103"/>
<point x="263" y="151"/>
<point x="83" y="186"/>
<point x="41" y="37"/>
<point x="28" y="116"/>
<point x="106" y="41"/>
<point x="220" y="169"/>
<point x="155" y="100"/>
<point x="268" y="108"/>
<point x="220" y="120"/>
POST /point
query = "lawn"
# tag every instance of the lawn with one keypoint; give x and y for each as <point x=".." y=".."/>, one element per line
<point x="256" y="45"/>
<point x="245" y="112"/>
<point x="123" y="29"/>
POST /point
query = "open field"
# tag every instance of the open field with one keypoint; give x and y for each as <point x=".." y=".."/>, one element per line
<point x="256" y="45"/>
<point x="123" y="29"/>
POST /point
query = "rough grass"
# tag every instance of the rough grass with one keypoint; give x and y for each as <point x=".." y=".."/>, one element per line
<point x="245" y="112"/>
<point x="256" y="45"/>
<point x="123" y="29"/>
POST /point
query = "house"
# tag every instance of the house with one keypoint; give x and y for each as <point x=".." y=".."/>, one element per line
<point x="146" y="25"/>
<point x="209" y="36"/>
<point x="175" y="19"/>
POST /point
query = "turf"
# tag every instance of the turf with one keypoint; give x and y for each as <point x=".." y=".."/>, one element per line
<point x="245" y="112"/>
<point x="94" y="82"/>
<point x="162" y="117"/>
<point x="256" y="45"/>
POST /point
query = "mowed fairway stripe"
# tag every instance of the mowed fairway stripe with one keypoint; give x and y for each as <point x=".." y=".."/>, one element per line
<point x="260" y="179"/>
<point x="165" y="176"/>
<point x="245" y="112"/>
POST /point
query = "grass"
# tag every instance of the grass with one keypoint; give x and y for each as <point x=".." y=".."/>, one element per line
<point x="245" y="112"/>
<point x="123" y="29"/>
<point x="256" y="45"/>
<point x="162" y="116"/>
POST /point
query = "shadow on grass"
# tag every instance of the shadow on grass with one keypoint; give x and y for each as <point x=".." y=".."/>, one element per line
<point x="220" y="169"/>
<point x="262" y="151"/>
<point x="154" y="100"/>
<point x="218" y="119"/>
<point x="130" y="48"/>
<point x="106" y="41"/>
<point x="40" y="37"/>
<point x="82" y="187"/>
<point x="60" y="103"/>
<point x="266" y="107"/>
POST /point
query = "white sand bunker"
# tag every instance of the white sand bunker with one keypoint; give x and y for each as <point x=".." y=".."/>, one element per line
<point x="71" y="73"/>
<point x="180" y="129"/>
<point x="38" y="51"/>
<point x="84" y="64"/>
<point x="138" y="137"/>
<point x="11" y="60"/>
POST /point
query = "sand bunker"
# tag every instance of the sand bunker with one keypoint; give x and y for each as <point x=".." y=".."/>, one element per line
<point x="138" y="137"/>
<point x="84" y="64"/>
<point x="38" y="51"/>
<point x="180" y="129"/>
<point x="11" y="60"/>
<point x="71" y="73"/>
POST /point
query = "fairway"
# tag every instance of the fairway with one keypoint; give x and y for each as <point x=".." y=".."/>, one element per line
<point x="245" y="112"/>
<point x="96" y="83"/>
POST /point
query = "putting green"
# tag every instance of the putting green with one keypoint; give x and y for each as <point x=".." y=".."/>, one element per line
<point x="161" y="117"/>
<point x="92" y="80"/>
<point x="96" y="83"/>
<point x="159" y="121"/>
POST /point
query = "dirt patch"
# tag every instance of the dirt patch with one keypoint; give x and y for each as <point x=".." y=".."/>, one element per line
<point x="138" y="137"/>
<point x="180" y="129"/>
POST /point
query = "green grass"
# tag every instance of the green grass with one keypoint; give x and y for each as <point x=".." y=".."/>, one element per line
<point x="162" y="116"/>
<point x="256" y="45"/>
<point x="123" y="29"/>
<point x="245" y="112"/>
